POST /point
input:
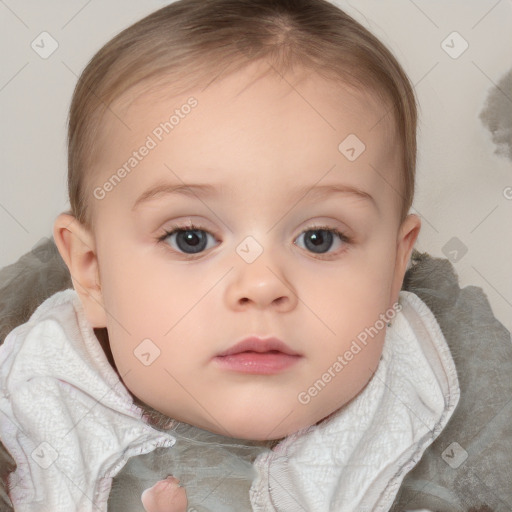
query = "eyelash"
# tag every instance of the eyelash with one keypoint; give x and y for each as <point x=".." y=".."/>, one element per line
<point x="193" y="227"/>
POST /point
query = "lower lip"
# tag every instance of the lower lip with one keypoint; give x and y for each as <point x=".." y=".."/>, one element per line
<point x="255" y="362"/>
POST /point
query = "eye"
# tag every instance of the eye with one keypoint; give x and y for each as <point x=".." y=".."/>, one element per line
<point x="192" y="239"/>
<point x="319" y="239"/>
<point x="189" y="239"/>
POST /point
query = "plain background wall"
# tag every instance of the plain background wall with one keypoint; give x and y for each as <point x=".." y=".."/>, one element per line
<point x="462" y="185"/>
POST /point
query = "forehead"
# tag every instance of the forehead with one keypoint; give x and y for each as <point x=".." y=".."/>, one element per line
<point x="252" y="127"/>
<point x="259" y="83"/>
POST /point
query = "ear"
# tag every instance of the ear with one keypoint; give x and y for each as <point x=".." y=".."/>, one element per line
<point x="407" y="235"/>
<point x="77" y="247"/>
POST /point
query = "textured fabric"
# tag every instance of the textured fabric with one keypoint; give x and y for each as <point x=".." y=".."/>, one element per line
<point x="468" y="468"/>
<point x="65" y="416"/>
<point x="216" y="472"/>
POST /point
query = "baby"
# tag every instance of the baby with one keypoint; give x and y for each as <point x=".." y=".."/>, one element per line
<point x="240" y="178"/>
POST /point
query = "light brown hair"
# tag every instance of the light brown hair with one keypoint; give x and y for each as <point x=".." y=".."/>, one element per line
<point x="193" y="42"/>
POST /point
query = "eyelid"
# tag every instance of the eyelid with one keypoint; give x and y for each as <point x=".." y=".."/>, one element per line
<point x="189" y="226"/>
<point x="176" y="228"/>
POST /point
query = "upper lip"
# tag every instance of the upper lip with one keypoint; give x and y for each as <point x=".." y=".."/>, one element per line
<point x="256" y="344"/>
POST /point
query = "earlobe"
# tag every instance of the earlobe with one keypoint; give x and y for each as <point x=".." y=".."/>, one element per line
<point x="407" y="236"/>
<point x="77" y="247"/>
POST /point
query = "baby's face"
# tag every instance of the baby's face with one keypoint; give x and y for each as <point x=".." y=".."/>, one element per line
<point x="259" y="260"/>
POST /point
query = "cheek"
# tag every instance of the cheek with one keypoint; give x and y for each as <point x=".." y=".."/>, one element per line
<point x="148" y="298"/>
<point x="350" y="295"/>
<point x="349" y="302"/>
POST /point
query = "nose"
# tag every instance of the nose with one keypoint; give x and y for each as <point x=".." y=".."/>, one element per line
<point x="261" y="284"/>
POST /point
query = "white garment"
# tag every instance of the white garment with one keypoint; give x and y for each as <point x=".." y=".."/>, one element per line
<point x="57" y="391"/>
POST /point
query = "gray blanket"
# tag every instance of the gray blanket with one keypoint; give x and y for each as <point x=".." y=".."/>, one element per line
<point x="469" y="466"/>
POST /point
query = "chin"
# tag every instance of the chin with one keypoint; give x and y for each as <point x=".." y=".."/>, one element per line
<point x="266" y="428"/>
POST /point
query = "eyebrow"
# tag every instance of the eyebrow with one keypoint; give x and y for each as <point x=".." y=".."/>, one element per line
<point x="203" y="190"/>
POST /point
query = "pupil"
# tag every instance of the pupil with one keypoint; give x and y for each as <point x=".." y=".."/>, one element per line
<point x="319" y="239"/>
<point x="191" y="239"/>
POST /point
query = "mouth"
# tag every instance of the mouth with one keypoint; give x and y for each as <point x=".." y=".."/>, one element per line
<point x="258" y="356"/>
